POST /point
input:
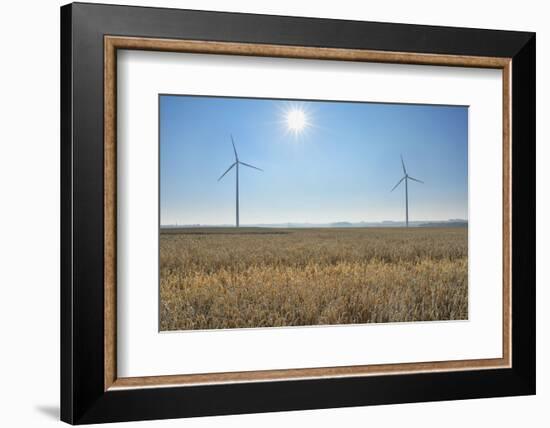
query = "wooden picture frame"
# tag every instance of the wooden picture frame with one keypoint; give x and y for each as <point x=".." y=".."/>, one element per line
<point x="91" y="390"/>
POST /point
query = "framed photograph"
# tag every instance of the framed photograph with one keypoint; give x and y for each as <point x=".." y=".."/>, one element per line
<point x="266" y="213"/>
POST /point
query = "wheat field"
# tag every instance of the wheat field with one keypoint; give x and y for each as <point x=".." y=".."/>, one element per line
<point x="251" y="277"/>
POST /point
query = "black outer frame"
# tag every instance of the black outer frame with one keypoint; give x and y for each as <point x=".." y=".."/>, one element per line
<point x="83" y="399"/>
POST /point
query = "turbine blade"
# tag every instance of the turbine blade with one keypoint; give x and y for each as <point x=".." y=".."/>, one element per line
<point x="228" y="169"/>
<point x="403" y="165"/>
<point x="416" y="179"/>
<point x="250" y="166"/>
<point x="398" y="183"/>
<point x="234" y="149"/>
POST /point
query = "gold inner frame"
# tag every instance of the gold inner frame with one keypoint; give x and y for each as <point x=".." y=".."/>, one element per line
<point x="113" y="43"/>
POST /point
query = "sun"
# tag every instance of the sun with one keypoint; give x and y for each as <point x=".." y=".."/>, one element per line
<point x="296" y="120"/>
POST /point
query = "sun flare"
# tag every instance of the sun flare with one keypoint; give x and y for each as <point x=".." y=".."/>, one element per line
<point x="296" y="120"/>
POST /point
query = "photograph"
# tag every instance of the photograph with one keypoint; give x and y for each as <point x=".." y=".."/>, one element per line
<point x="285" y="213"/>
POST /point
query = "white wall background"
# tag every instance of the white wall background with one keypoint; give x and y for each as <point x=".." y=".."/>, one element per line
<point x="29" y="214"/>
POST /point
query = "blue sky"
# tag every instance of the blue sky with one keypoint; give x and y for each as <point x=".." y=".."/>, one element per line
<point x="341" y="167"/>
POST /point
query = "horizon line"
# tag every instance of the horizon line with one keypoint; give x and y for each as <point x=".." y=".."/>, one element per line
<point x="330" y="223"/>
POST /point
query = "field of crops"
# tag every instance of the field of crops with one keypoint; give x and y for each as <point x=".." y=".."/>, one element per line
<point x="251" y="277"/>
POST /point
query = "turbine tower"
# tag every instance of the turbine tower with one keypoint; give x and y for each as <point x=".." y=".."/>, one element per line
<point x="406" y="177"/>
<point x="236" y="165"/>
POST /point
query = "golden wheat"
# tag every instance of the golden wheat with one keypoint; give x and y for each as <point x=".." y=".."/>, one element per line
<point x="227" y="278"/>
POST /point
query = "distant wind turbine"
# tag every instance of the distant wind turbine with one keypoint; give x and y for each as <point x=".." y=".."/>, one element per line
<point x="236" y="165"/>
<point x="406" y="177"/>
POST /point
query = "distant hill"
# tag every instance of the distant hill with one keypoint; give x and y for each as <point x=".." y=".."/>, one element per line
<point x="342" y="224"/>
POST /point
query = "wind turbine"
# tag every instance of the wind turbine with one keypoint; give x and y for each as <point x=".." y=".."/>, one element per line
<point x="406" y="177"/>
<point x="236" y="165"/>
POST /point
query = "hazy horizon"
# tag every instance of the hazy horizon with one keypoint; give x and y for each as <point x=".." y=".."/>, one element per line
<point x="340" y="167"/>
<point x="326" y="224"/>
